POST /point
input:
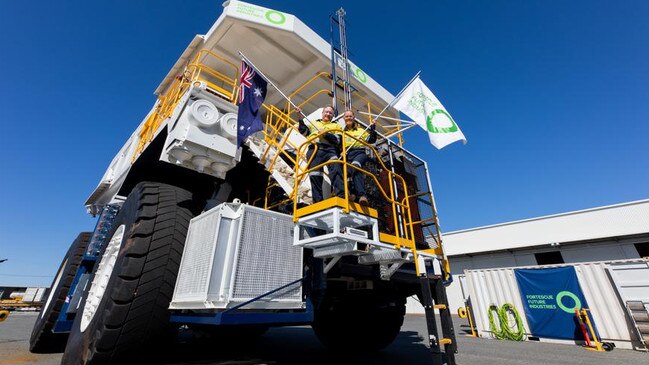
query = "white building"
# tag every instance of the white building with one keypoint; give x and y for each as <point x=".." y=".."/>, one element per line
<point x="613" y="232"/>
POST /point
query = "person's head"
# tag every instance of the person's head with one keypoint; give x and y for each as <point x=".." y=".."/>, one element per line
<point x="327" y="113"/>
<point x="350" y="121"/>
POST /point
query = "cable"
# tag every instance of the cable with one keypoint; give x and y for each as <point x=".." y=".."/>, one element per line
<point x="498" y="333"/>
<point x="519" y="335"/>
<point x="506" y="331"/>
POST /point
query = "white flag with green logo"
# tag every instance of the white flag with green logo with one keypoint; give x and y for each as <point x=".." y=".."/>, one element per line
<point x="421" y="105"/>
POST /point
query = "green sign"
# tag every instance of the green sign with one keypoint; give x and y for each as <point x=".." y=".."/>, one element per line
<point x="261" y="14"/>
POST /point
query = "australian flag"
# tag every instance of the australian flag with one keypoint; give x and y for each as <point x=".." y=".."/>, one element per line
<point x="252" y="93"/>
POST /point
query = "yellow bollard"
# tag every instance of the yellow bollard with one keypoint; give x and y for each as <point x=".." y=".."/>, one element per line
<point x="3" y="315"/>
<point x="474" y="333"/>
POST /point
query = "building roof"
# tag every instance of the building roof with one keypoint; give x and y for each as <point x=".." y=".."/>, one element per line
<point x="617" y="220"/>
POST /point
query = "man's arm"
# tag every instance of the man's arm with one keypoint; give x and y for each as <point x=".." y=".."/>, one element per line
<point x="372" y="137"/>
<point x="302" y="128"/>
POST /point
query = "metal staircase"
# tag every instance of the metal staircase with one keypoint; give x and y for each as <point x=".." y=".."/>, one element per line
<point x="280" y="171"/>
<point x="639" y="314"/>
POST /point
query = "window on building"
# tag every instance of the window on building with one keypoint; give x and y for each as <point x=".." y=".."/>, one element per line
<point x="643" y="249"/>
<point x="549" y="258"/>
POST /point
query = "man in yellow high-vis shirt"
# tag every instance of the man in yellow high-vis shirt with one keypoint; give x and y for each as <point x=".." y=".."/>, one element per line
<point x="328" y="149"/>
<point x="356" y="152"/>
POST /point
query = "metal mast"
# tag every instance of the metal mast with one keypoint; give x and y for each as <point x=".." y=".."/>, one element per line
<point x="343" y="53"/>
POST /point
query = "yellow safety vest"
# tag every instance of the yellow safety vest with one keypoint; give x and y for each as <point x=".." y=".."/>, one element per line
<point x="359" y="133"/>
<point x="321" y="126"/>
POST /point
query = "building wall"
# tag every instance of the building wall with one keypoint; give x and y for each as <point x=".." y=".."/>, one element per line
<point x="589" y="251"/>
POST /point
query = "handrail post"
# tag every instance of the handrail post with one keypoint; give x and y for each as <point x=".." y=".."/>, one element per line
<point x="344" y="158"/>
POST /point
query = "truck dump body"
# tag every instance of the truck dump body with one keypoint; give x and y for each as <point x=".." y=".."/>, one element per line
<point x="281" y="46"/>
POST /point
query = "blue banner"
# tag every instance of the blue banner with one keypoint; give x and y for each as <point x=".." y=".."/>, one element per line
<point x="550" y="297"/>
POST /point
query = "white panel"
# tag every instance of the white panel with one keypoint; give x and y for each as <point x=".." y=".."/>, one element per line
<point x="632" y="279"/>
<point x="607" y="310"/>
<point x="487" y="287"/>
<point x="413" y="306"/>
<point x="593" y="252"/>
<point x="30" y="294"/>
<point x="454" y="295"/>
<point x="498" y="286"/>
<point x="459" y="264"/>
<point x="630" y="251"/>
<point x="525" y="259"/>
<point x="611" y="221"/>
<point x="454" y="291"/>
<point x="490" y="261"/>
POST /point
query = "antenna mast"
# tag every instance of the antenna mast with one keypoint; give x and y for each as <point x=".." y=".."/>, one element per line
<point x="343" y="52"/>
<point x="340" y="57"/>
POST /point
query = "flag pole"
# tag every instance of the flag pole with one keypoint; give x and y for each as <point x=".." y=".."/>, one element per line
<point x="399" y="94"/>
<point x="276" y="88"/>
<point x="388" y="118"/>
<point x="400" y="130"/>
<point x="389" y="105"/>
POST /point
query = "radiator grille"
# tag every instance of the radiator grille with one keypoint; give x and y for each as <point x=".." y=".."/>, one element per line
<point x="267" y="258"/>
<point x="235" y="253"/>
<point x="193" y="277"/>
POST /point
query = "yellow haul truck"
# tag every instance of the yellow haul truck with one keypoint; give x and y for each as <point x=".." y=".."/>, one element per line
<point x="195" y="230"/>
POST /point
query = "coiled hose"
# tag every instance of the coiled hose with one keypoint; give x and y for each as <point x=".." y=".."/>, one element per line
<point x="505" y="331"/>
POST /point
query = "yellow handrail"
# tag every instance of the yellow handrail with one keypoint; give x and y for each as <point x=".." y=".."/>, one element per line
<point x="390" y="197"/>
<point x="167" y="102"/>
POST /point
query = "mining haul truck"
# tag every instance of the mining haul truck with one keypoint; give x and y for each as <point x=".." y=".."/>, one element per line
<point x="197" y="231"/>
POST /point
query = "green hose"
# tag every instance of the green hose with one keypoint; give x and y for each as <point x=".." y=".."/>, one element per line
<point x="505" y="331"/>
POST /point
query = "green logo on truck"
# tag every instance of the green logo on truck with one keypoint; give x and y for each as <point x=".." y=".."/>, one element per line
<point x="275" y="17"/>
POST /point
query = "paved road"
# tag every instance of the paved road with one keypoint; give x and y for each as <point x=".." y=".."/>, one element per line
<point x="298" y="345"/>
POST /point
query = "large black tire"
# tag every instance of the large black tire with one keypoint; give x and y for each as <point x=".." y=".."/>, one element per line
<point x="43" y="340"/>
<point x="359" y="322"/>
<point x="132" y="315"/>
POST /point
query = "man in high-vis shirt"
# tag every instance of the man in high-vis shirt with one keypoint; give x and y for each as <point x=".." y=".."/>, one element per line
<point x="328" y="149"/>
<point x="356" y="152"/>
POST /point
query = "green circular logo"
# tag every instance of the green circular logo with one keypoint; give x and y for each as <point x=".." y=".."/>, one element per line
<point x="362" y="77"/>
<point x="275" y="17"/>
<point x="571" y="296"/>
<point x="433" y="128"/>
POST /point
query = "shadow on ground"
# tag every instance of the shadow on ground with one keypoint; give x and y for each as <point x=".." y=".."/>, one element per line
<point x="293" y="345"/>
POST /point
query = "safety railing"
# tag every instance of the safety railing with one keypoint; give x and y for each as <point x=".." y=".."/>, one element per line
<point x="372" y="110"/>
<point x="279" y="129"/>
<point x="363" y="104"/>
<point x="196" y="71"/>
<point x="400" y="206"/>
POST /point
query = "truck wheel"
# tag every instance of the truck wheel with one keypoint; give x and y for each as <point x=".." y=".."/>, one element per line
<point x="358" y="323"/>
<point x="43" y="340"/>
<point x="125" y="311"/>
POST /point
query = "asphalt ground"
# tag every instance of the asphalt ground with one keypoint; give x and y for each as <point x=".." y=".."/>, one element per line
<point x="298" y="345"/>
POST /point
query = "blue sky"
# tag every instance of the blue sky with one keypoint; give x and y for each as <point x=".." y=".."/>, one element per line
<point x="551" y="95"/>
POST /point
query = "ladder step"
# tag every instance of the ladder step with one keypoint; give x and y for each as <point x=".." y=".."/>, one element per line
<point x="445" y="341"/>
<point x="635" y="305"/>
<point x="643" y="328"/>
<point x="640" y="317"/>
<point x="440" y="306"/>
